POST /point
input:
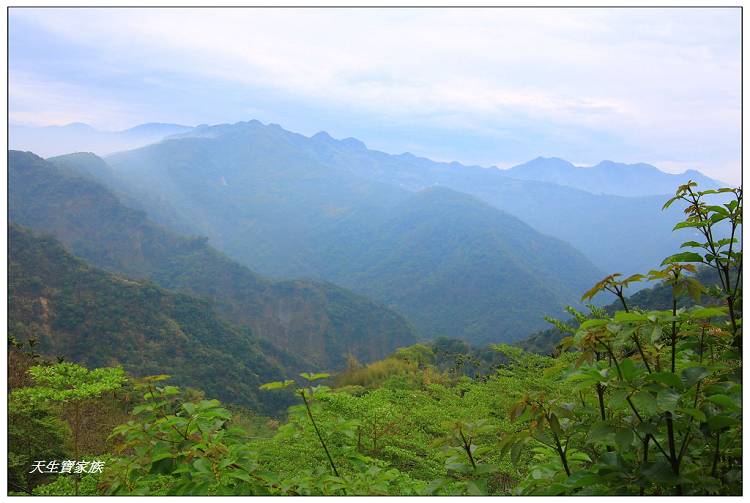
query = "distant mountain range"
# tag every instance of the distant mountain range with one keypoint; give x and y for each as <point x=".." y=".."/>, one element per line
<point x="609" y="177"/>
<point x="450" y="263"/>
<point x="618" y="234"/>
<point x="319" y="323"/>
<point x="78" y="137"/>
<point x="461" y="251"/>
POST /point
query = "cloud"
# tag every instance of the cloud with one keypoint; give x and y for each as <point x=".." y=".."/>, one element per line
<point x="45" y="102"/>
<point x="664" y="82"/>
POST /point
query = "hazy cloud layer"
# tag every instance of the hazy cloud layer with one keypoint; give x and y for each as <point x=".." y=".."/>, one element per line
<point x="486" y="86"/>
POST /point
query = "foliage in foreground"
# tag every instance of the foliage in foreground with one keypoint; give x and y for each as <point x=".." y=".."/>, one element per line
<point x="665" y="415"/>
<point x="645" y="402"/>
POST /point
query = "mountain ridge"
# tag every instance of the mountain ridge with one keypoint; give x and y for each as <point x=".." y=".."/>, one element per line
<point x="321" y="322"/>
<point x="97" y="318"/>
<point x="609" y="177"/>
<point x="249" y="183"/>
<point x="49" y="141"/>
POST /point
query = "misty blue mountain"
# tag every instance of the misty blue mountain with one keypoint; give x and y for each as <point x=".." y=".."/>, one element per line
<point x="320" y="322"/>
<point x="340" y="174"/>
<point x="609" y="177"/>
<point x="79" y="137"/>
<point x="460" y="251"/>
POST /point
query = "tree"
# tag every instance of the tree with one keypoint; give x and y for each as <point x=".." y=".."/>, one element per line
<point x="68" y="386"/>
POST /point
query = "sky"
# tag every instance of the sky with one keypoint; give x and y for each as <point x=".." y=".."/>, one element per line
<point x="479" y="86"/>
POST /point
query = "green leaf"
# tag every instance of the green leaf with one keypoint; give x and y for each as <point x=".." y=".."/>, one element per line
<point x="708" y="312"/>
<point x="692" y="244"/>
<point x="724" y="401"/>
<point x="666" y="378"/>
<point x="719" y="422"/>
<point x="592" y="323"/>
<point x="682" y="257"/>
<point x="725" y="241"/>
<point x="695" y="289"/>
<point x="515" y="452"/>
<point x="655" y="333"/>
<point x="691" y="375"/>
<point x="202" y="465"/>
<point x="624" y="438"/>
<point x="434" y="486"/>
<point x="276" y="385"/>
<point x="600" y="432"/>
<point x="623" y="317"/>
<point x="696" y="414"/>
<point x="660" y="472"/>
<point x="718" y="209"/>
<point x="477" y="487"/>
<point x="314" y="377"/>
<point x="240" y="475"/>
<point x="555" y="424"/>
<point x="669" y="202"/>
<point x="143" y="408"/>
<point x="582" y="479"/>
<point x="161" y="455"/>
<point x="170" y="390"/>
<point x="629" y="369"/>
<point x="683" y="225"/>
<point x="667" y="400"/>
<point x="485" y="468"/>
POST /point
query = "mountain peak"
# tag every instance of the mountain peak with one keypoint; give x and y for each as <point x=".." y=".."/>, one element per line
<point x="350" y="142"/>
<point x="353" y="143"/>
<point x="542" y="165"/>
<point x="77" y="126"/>
<point x="322" y="136"/>
<point x="607" y="177"/>
<point x="150" y="128"/>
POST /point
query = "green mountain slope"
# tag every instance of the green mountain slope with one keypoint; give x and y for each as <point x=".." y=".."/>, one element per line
<point x="458" y="267"/>
<point x="625" y="234"/>
<point x="256" y="196"/>
<point x="319" y="322"/>
<point x="93" y="167"/>
<point x="268" y="202"/>
<point x="98" y="318"/>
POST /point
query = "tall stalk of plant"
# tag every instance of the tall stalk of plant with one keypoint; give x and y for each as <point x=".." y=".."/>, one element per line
<point x="663" y="425"/>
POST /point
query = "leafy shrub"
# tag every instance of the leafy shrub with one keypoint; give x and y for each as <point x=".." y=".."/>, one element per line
<point x="659" y="393"/>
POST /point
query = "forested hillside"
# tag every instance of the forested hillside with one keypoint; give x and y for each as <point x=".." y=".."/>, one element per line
<point x="457" y="267"/>
<point x="641" y="399"/>
<point x="627" y="234"/>
<point x="96" y="318"/>
<point x="321" y="322"/>
<point x="266" y="200"/>
<point x="90" y="166"/>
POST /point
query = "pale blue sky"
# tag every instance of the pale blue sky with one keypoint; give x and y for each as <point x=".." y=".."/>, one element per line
<point x="497" y="86"/>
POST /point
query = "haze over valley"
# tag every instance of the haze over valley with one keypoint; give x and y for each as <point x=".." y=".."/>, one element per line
<point x="358" y="251"/>
<point x="449" y="248"/>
